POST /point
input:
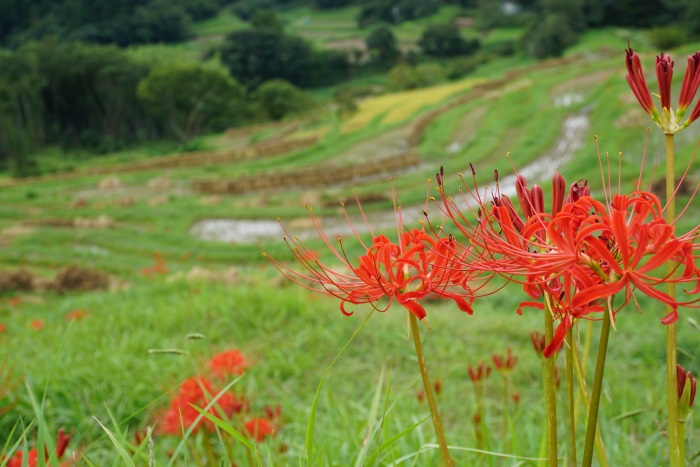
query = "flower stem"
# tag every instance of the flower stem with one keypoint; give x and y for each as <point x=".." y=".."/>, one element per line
<point x="681" y="438"/>
<point x="549" y="391"/>
<point x="583" y="389"/>
<point x="674" y="439"/>
<point x="570" y="398"/>
<point x="429" y="392"/>
<point x="592" y="422"/>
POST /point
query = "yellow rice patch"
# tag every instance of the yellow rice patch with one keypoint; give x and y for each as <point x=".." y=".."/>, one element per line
<point x="400" y="106"/>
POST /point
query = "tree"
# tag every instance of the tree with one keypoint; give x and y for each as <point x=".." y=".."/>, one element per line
<point x="267" y="19"/>
<point x="382" y="45"/>
<point x="257" y="55"/>
<point x="444" y="40"/>
<point x="279" y="98"/>
<point x="549" y="38"/>
<point x="189" y="98"/>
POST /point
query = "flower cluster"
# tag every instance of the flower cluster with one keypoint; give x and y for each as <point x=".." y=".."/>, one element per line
<point x="668" y="120"/>
<point x="582" y="253"/>
<point x="200" y="392"/>
<point x="421" y="263"/>
<point x="32" y="458"/>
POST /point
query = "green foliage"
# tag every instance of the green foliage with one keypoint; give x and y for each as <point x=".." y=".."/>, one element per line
<point x="405" y="77"/>
<point x="382" y="45"/>
<point x="667" y="37"/>
<point x="490" y="15"/>
<point x="246" y="9"/>
<point x="189" y="98"/>
<point x="550" y="37"/>
<point x="572" y="10"/>
<point x="332" y="3"/>
<point x="268" y="20"/>
<point x="395" y="12"/>
<point x="258" y="55"/>
<point x="280" y="98"/>
<point x="444" y="40"/>
<point x="463" y="66"/>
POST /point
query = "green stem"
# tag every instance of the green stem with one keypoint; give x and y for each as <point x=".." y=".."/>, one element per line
<point x="681" y="438"/>
<point x="674" y="439"/>
<point x="549" y="391"/>
<point x="437" y="423"/>
<point x="597" y="389"/>
<point x="570" y="397"/>
<point x="583" y="389"/>
<point x="505" y="407"/>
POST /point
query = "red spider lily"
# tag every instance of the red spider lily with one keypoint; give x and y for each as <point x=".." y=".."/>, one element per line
<point x="669" y="121"/>
<point x="687" y="387"/>
<point x="260" y="428"/>
<point x="76" y="315"/>
<point x="197" y="392"/>
<point x="37" y="324"/>
<point x="504" y="364"/>
<point x="480" y="373"/>
<point x="418" y="265"/>
<point x="537" y="339"/>
<point x="3" y="328"/>
<point x="32" y="460"/>
<point x="229" y="362"/>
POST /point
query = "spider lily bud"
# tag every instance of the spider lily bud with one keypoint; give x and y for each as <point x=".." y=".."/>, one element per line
<point x="687" y="386"/>
<point x="668" y="120"/>
<point x="538" y="342"/>
<point x="480" y="373"/>
<point x="504" y="364"/>
<point x="558" y="189"/>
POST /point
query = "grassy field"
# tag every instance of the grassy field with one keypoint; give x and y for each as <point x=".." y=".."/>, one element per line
<point x="65" y="373"/>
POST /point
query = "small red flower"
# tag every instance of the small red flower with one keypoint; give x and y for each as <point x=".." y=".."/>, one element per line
<point x="687" y="387"/>
<point x="76" y="315"/>
<point x="505" y="363"/>
<point x="197" y="392"/>
<point x="3" y="328"/>
<point x="538" y="343"/>
<point x="480" y="373"/>
<point x="259" y="429"/>
<point x="229" y="362"/>
<point x="36" y="324"/>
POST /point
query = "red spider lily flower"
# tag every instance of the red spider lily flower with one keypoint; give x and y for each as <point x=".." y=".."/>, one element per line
<point x="3" y="328"/>
<point x="76" y="315"/>
<point x="638" y="84"/>
<point x="516" y="398"/>
<point x="159" y="266"/>
<point x="197" y="392"/>
<point x="14" y="301"/>
<point x="687" y="387"/>
<point x="420" y="395"/>
<point x="479" y="373"/>
<point x="418" y="265"/>
<point x="260" y="428"/>
<point x="437" y="385"/>
<point x="273" y="414"/>
<point x="537" y="339"/>
<point x="504" y="364"/>
<point x="229" y="362"/>
<point x="629" y="243"/>
<point x="691" y="81"/>
<point x="36" y="324"/>
<point x="668" y="121"/>
<point x="664" y="76"/>
<point x="32" y="459"/>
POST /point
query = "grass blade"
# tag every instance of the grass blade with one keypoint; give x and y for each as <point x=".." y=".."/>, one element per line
<point x="120" y="449"/>
<point x="371" y="421"/>
<point x="309" y="441"/>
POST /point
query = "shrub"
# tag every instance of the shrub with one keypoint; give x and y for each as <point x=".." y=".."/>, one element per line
<point x="279" y="98"/>
<point x="549" y="38"/>
<point x="382" y="45"/>
<point x="667" y="37"/>
<point x="404" y="76"/>
<point x="444" y="40"/>
<point x="463" y="66"/>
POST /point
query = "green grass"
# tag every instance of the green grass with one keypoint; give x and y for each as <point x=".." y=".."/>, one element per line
<point x="103" y="367"/>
